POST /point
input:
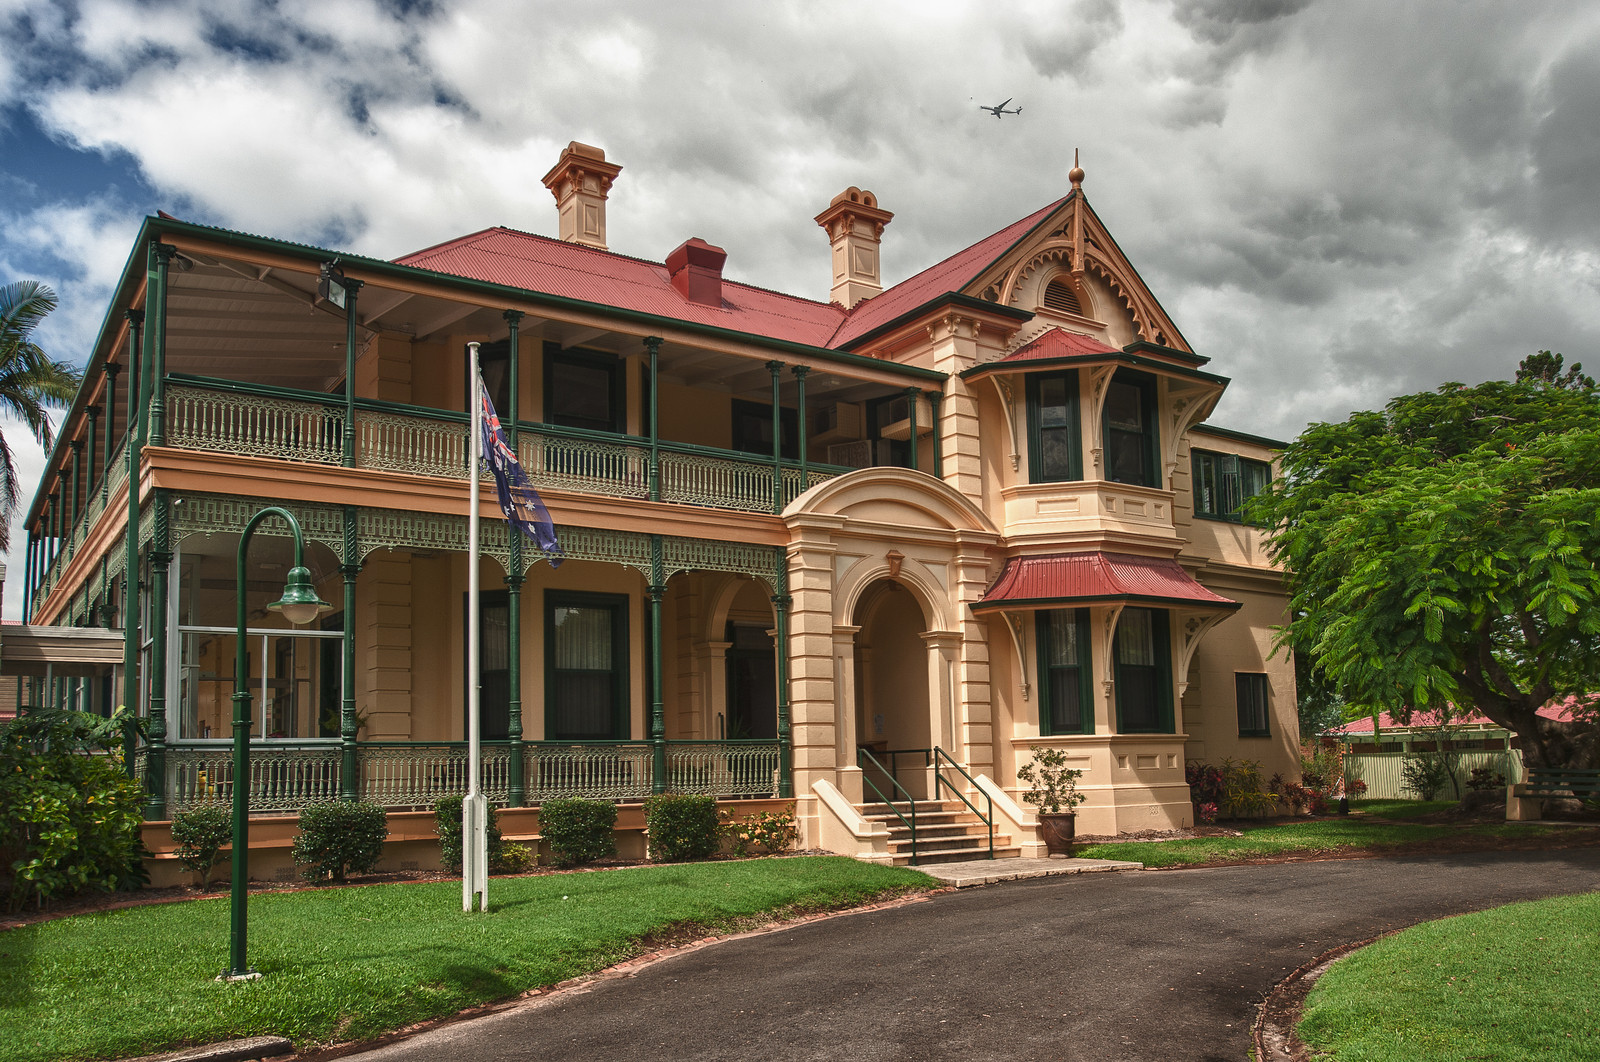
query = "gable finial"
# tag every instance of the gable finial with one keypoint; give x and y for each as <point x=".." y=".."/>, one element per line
<point x="1075" y="175"/>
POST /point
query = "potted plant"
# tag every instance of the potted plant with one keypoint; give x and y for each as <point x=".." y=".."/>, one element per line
<point x="1054" y="791"/>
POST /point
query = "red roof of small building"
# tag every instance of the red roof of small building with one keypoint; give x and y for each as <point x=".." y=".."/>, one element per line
<point x="1062" y="578"/>
<point x="1559" y="711"/>
<point x="571" y="270"/>
<point x="1059" y="343"/>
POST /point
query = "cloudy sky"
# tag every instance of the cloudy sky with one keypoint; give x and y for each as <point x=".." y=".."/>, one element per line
<point x="1337" y="201"/>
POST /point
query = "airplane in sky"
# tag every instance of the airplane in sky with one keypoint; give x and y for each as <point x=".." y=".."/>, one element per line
<point x="997" y="111"/>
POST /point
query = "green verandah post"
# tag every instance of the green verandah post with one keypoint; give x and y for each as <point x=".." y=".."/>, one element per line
<point x="349" y="728"/>
<point x="658" y="722"/>
<point x="516" y="783"/>
<point x="153" y="780"/>
<point x="780" y="605"/>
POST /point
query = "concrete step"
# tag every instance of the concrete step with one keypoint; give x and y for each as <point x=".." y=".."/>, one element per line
<point x="958" y="855"/>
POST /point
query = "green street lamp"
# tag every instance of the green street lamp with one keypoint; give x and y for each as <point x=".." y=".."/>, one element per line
<point x="299" y="604"/>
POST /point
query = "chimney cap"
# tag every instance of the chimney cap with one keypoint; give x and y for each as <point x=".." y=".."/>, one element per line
<point x="696" y="252"/>
<point x="585" y="158"/>
<point x="854" y="202"/>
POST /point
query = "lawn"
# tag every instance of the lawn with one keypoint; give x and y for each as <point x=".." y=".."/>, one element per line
<point x="1518" y="982"/>
<point x="350" y="963"/>
<point x="1342" y="833"/>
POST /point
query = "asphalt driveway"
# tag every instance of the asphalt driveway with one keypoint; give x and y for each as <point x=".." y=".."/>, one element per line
<point x="1164" y="966"/>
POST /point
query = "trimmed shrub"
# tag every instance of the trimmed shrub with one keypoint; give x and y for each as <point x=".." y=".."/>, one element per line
<point x="199" y="835"/>
<point x="447" y="824"/>
<point x="579" y="831"/>
<point x="681" y="826"/>
<point x="770" y="831"/>
<point x="514" y="859"/>
<point x="69" y="813"/>
<point x="339" y="837"/>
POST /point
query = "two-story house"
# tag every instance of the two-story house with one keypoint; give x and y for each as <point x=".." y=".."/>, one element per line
<point x="877" y="545"/>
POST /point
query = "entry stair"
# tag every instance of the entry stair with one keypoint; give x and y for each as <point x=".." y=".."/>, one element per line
<point x="947" y="832"/>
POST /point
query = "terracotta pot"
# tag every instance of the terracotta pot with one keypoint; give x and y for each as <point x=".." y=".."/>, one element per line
<point x="1057" y="830"/>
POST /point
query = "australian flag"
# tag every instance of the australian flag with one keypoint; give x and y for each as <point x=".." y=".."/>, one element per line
<point x="518" y="500"/>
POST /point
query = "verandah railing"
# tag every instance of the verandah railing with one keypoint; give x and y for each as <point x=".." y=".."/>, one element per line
<point x="285" y="777"/>
<point x="207" y="414"/>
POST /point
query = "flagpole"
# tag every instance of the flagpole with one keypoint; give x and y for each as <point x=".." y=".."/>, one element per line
<point x="474" y="810"/>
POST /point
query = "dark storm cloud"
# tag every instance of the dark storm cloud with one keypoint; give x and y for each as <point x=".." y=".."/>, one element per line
<point x="1566" y="151"/>
<point x="1068" y="48"/>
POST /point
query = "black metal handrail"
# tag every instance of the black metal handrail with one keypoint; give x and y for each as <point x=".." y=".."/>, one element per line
<point x="938" y="755"/>
<point x="894" y="784"/>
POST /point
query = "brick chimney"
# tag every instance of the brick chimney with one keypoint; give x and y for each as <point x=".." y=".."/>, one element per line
<point x="580" y="181"/>
<point x="855" y="227"/>
<point x="696" y="268"/>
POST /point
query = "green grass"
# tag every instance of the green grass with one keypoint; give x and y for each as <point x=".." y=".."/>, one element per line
<point x="1311" y="837"/>
<point x="1400" y="809"/>
<point x="1518" y="982"/>
<point x="343" y="964"/>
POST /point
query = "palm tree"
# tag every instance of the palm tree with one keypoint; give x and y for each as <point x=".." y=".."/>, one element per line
<point x="30" y="383"/>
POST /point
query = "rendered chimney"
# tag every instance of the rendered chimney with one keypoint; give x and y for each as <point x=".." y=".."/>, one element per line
<point x="580" y="181"/>
<point x="855" y="227"/>
<point x="696" y="269"/>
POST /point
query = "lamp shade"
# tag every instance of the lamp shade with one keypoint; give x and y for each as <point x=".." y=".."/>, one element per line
<point x="300" y="603"/>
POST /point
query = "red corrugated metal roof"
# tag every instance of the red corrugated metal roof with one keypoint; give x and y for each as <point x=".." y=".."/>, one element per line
<point x="1560" y="711"/>
<point x="952" y="274"/>
<point x="538" y="263"/>
<point x="1059" y="343"/>
<point x="555" y="267"/>
<point x="1062" y="578"/>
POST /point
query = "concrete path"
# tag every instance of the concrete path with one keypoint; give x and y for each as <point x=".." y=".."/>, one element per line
<point x="990" y="871"/>
<point x="1164" y="966"/>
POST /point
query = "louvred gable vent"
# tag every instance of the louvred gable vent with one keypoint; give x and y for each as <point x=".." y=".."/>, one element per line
<point x="1059" y="296"/>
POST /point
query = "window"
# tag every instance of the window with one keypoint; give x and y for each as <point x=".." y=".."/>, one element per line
<point x="1224" y="482"/>
<point x="586" y="667"/>
<point x="1065" y="702"/>
<point x="752" y="429"/>
<point x="1250" y="693"/>
<point x="1144" y="672"/>
<point x="494" y="665"/>
<point x="1130" y="429"/>
<point x="1055" y="451"/>
<point x="494" y="362"/>
<point x="583" y="389"/>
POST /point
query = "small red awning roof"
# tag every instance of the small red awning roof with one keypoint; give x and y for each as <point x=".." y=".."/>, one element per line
<point x="1066" y="578"/>
<point x="1059" y="343"/>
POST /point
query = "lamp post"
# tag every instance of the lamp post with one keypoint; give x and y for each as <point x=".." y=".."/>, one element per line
<point x="299" y="604"/>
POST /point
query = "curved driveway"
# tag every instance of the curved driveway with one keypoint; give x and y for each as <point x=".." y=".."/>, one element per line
<point x="1164" y="966"/>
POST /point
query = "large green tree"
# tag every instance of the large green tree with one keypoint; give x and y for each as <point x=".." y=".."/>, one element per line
<point x="1442" y="551"/>
<point x="30" y="383"/>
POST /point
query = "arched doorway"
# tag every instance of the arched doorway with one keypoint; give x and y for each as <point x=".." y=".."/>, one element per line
<point x="893" y="720"/>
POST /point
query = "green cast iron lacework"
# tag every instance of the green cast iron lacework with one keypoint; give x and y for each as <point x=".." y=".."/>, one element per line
<point x="392" y="529"/>
<point x="226" y="514"/>
<point x="254" y="425"/>
<point x="301" y="426"/>
<point x="286" y="776"/>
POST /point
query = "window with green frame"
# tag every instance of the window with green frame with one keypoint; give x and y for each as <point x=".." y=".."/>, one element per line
<point x="1224" y="482"/>
<point x="1055" y="444"/>
<point x="1250" y="695"/>
<point x="584" y="389"/>
<point x="1141" y="652"/>
<point x="1066" y="704"/>
<point x="586" y="666"/>
<point x="1130" y="433"/>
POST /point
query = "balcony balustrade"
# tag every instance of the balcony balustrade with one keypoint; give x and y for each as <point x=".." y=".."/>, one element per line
<point x="285" y="777"/>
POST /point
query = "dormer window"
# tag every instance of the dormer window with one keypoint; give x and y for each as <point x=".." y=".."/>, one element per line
<point x="1060" y="296"/>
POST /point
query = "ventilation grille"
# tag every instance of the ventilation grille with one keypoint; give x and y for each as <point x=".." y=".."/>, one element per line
<point x="1059" y="296"/>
